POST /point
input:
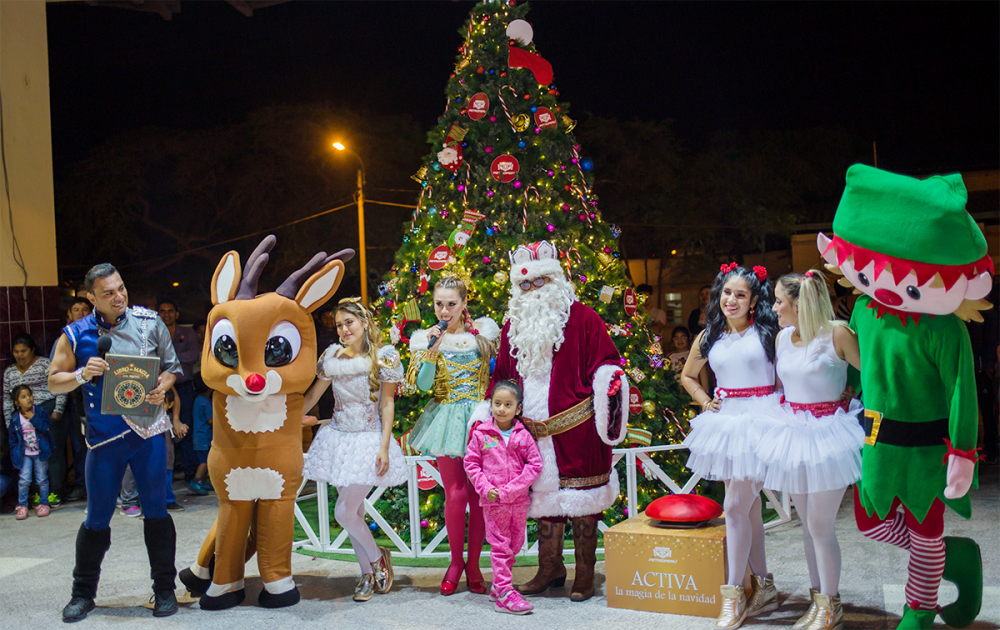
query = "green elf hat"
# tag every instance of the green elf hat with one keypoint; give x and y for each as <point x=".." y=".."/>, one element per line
<point x="914" y="225"/>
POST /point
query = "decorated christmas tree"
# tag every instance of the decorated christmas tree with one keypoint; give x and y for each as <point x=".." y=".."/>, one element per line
<point x="505" y="169"/>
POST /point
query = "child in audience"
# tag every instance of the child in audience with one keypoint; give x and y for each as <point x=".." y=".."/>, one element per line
<point x="30" y="449"/>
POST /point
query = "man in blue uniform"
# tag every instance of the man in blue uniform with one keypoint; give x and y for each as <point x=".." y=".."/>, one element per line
<point x="118" y="441"/>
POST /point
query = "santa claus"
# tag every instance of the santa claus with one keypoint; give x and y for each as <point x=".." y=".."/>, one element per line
<point x="574" y="404"/>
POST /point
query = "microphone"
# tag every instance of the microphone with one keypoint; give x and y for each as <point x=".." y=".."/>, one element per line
<point x="443" y="325"/>
<point x="103" y="345"/>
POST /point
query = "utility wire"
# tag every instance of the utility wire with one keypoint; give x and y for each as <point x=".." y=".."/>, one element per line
<point x="16" y="250"/>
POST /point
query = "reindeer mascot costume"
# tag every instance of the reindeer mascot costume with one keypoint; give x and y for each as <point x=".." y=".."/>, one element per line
<point x="259" y="359"/>
<point x="914" y="252"/>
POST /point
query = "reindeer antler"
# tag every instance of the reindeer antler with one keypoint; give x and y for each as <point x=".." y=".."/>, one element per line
<point x="290" y="287"/>
<point x="254" y="267"/>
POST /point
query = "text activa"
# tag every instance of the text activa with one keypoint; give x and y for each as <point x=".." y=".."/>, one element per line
<point x="664" y="580"/>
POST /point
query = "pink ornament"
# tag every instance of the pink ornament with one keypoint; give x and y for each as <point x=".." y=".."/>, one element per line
<point x="583" y="217"/>
<point x="488" y="149"/>
<point x="493" y="118"/>
<point x="625" y="510"/>
<point x="550" y="227"/>
<point x="565" y="207"/>
<point x="593" y="216"/>
<point x="574" y="160"/>
<point x="486" y="260"/>
<point x="517" y="184"/>
<point x="537" y="130"/>
<point x="424" y="524"/>
<point x="444" y="214"/>
<point x="461" y="187"/>
<point x="563" y="167"/>
<point x="551" y="173"/>
<point x="583" y="278"/>
<point x="607" y="250"/>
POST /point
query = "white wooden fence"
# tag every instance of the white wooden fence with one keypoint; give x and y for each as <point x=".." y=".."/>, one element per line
<point x="319" y="539"/>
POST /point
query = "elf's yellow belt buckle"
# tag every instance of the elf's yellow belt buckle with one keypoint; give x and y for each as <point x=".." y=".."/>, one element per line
<point x="875" y="419"/>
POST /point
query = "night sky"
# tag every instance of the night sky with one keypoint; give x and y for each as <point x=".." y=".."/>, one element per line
<point x="923" y="80"/>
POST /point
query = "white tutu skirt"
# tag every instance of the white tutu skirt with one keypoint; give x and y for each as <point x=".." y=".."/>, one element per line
<point x="723" y="444"/>
<point x="807" y="454"/>
<point x="342" y="458"/>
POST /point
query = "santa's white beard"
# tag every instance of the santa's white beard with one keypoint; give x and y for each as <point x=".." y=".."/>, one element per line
<point x="537" y="322"/>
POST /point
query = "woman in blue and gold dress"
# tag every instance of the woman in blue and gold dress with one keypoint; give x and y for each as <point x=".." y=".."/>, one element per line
<point x="454" y="364"/>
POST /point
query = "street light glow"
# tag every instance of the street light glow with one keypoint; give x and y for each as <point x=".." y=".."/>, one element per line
<point x="338" y="146"/>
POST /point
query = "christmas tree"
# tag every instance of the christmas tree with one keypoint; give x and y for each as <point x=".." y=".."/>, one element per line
<point x="505" y="169"/>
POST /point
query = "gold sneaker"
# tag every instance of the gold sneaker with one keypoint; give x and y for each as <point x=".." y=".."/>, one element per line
<point x="764" y="597"/>
<point x="734" y="607"/>
<point x="807" y="618"/>
<point x="382" y="569"/>
<point x="365" y="588"/>
<point x="829" y="613"/>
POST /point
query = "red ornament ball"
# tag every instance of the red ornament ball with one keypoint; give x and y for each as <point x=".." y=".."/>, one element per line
<point x="462" y="111"/>
<point x="504" y="73"/>
<point x="527" y="97"/>
<point x="480" y="70"/>
<point x="683" y="509"/>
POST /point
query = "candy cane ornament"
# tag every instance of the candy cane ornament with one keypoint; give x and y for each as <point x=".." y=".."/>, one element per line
<point x="503" y="103"/>
<point x="416" y="211"/>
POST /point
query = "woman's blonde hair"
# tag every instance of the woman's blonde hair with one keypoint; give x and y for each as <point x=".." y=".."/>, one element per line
<point x="815" y="309"/>
<point x="372" y="339"/>
<point x="486" y="347"/>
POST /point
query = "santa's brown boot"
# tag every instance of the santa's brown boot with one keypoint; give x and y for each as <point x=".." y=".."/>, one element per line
<point x="585" y="542"/>
<point x="551" y="571"/>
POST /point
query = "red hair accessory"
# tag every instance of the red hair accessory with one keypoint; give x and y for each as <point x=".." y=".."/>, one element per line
<point x="809" y="274"/>
<point x="727" y="268"/>
<point x="761" y="273"/>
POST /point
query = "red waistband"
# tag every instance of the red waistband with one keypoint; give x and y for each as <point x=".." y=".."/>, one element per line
<point x="820" y="409"/>
<point x="744" y="392"/>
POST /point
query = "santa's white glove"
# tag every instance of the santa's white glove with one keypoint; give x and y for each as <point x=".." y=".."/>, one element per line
<point x="960" y="471"/>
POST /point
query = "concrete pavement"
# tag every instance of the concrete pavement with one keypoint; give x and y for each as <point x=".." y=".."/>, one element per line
<point x="36" y="562"/>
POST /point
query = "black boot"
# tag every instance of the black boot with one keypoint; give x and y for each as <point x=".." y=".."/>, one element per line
<point x="91" y="545"/>
<point x="197" y="586"/>
<point x="161" y="545"/>
<point x="288" y="598"/>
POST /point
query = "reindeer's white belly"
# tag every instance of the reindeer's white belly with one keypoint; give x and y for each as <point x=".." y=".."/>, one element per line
<point x="256" y="417"/>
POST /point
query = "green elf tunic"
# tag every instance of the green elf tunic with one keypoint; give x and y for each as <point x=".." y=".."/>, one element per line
<point x="915" y="374"/>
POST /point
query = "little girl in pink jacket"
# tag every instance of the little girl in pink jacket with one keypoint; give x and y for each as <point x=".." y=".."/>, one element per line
<point x="502" y="462"/>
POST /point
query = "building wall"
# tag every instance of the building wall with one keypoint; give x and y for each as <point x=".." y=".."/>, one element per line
<point x="24" y="82"/>
<point x="24" y="79"/>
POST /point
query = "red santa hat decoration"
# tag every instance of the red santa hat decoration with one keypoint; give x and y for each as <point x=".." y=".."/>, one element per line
<point x="528" y="262"/>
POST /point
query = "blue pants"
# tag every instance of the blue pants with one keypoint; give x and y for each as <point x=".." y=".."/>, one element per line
<point x="41" y="469"/>
<point x="106" y="468"/>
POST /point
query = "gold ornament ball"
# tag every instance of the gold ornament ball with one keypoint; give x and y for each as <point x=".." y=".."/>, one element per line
<point x="500" y="277"/>
<point x="521" y="122"/>
<point x="649" y="407"/>
<point x="618" y="291"/>
<point x="605" y="259"/>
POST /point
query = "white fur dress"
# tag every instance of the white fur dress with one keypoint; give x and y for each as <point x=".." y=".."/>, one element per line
<point x="343" y="453"/>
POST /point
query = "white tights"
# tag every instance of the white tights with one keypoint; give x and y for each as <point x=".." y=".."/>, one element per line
<point x="744" y="529"/>
<point x="350" y="513"/>
<point x="818" y="511"/>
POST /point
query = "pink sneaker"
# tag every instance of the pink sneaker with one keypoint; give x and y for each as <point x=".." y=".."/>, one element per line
<point x="42" y="510"/>
<point x="493" y="594"/>
<point x="22" y="512"/>
<point x="512" y="603"/>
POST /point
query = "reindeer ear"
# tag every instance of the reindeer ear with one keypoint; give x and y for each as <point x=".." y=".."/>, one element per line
<point x="320" y="286"/>
<point x="226" y="279"/>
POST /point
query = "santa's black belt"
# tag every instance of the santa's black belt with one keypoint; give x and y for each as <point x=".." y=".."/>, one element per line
<point x="884" y="430"/>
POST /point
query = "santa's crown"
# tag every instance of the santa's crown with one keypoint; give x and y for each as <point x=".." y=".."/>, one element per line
<point x="542" y="250"/>
<point x="534" y="260"/>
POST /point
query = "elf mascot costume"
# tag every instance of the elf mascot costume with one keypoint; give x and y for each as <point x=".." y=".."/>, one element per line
<point x="919" y="260"/>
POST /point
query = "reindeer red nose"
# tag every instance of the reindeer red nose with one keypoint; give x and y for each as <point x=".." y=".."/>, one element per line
<point x="256" y="383"/>
<point x="888" y="298"/>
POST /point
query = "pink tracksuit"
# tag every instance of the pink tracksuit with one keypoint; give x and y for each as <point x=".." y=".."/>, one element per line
<point x="511" y="468"/>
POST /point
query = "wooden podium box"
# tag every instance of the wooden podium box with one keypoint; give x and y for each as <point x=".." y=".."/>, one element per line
<point x="656" y="569"/>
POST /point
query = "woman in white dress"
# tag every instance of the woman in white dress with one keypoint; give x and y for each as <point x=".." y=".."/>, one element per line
<point x="356" y="451"/>
<point x="738" y="344"/>
<point x="816" y="452"/>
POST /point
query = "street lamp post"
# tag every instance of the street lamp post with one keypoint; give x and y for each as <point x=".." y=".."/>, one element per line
<point x="361" y="221"/>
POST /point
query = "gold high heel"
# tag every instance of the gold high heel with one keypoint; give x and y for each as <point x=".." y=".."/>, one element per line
<point x="807" y="618"/>
<point x="734" y="607"/>
<point x="829" y="613"/>
<point x="365" y="589"/>
<point x="764" y="597"/>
